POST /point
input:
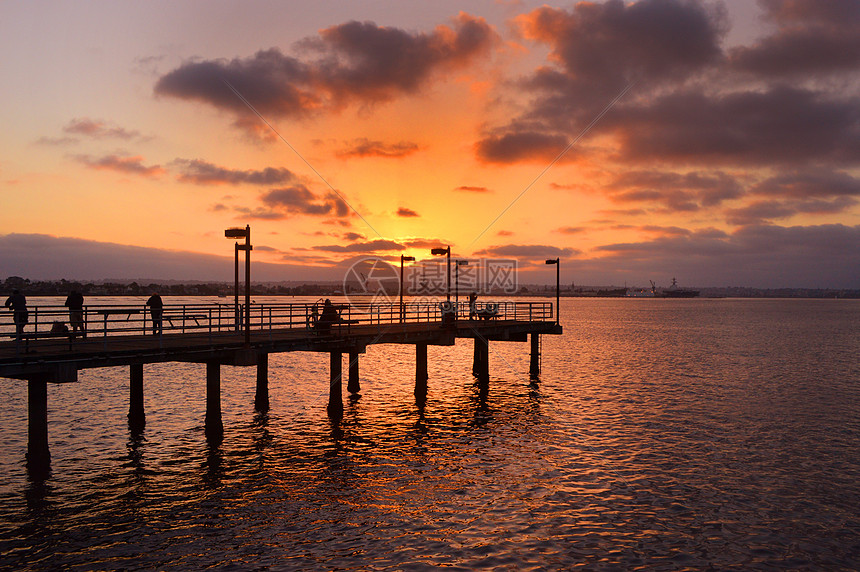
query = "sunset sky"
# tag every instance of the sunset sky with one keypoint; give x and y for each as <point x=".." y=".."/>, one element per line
<point x="716" y="142"/>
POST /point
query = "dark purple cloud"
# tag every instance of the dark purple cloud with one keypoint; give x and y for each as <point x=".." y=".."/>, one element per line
<point x="809" y="183"/>
<point x="811" y="38"/>
<point x="297" y="200"/>
<point x="363" y="59"/>
<point x="596" y="50"/>
<point x="676" y="231"/>
<point x="823" y="256"/>
<point x="613" y="42"/>
<point x="520" y="146"/>
<point x="690" y="107"/>
<point x="353" y="62"/>
<point x="673" y="191"/>
<point x="472" y="189"/>
<point x="202" y="172"/>
<point x="775" y="126"/>
<point x="766" y="211"/>
<point x="45" y="257"/>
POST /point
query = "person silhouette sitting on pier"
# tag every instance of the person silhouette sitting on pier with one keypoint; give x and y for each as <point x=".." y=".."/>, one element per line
<point x="156" y="309"/>
<point x="17" y="302"/>
<point x="328" y="317"/>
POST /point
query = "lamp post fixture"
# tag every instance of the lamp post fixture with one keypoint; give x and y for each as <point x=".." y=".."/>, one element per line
<point x="457" y="266"/>
<point x="446" y="251"/>
<point x="557" y="263"/>
<point x="402" y="260"/>
<point x="246" y="234"/>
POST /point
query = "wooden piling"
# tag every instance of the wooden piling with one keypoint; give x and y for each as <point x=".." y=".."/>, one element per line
<point x="214" y="427"/>
<point x="136" y="413"/>
<point x="481" y="365"/>
<point x="335" y="390"/>
<point x="38" y="454"/>
<point x="354" y="385"/>
<point x="534" y="365"/>
<point x="261" y="398"/>
<point x="421" y="371"/>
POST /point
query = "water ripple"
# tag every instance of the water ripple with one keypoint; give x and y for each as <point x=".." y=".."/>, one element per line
<point x="662" y="436"/>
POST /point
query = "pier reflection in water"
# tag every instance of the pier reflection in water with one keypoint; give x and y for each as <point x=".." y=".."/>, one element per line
<point x="662" y="433"/>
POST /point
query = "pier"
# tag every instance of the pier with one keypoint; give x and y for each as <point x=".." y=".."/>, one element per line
<point x="211" y="334"/>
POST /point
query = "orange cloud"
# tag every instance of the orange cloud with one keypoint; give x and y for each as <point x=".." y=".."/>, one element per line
<point x="130" y="165"/>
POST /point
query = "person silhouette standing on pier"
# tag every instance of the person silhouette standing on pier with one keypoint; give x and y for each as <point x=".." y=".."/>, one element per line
<point x="156" y="309"/>
<point x="75" y="304"/>
<point x="17" y="302"/>
<point x="472" y="310"/>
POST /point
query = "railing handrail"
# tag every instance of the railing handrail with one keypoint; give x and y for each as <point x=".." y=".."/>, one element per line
<point x="103" y="320"/>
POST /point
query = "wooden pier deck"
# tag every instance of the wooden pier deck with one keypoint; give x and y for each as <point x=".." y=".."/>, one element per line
<point x="121" y="336"/>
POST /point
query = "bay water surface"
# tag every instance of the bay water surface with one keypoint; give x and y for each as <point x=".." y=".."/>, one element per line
<point x="662" y="435"/>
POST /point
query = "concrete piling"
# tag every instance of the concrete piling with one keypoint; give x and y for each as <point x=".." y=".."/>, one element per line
<point x="214" y="427"/>
<point x="481" y="359"/>
<point x="354" y="385"/>
<point x="534" y="361"/>
<point x="421" y="371"/>
<point x="261" y="397"/>
<point x="38" y="454"/>
<point x="136" y="413"/>
<point x="335" y="390"/>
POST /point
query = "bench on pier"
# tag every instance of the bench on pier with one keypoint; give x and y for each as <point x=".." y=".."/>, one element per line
<point x="488" y="312"/>
<point x="184" y="318"/>
<point x="27" y="336"/>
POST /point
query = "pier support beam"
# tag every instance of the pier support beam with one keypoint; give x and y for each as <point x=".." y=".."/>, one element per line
<point x="38" y="454"/>
<point x="481" y="363"/>
<point x="335" y="389"/>
<point x="354" y="385"/>
<point x="421" y="372"/>
<point x="261" y="398"/>
<point x="534" y="362"/>
<point x="136" y="413"/>
<point x="213" y="425"/>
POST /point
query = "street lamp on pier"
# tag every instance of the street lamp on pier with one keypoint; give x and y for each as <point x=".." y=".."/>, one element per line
<point x="402" y="260"/>
<point x="557" y="263"/>
<point x="235" y="233"/>
<point x="440" y="252"/>
<point x="457" y="266"/>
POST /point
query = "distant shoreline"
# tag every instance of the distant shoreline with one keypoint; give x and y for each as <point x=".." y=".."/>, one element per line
<point x="175" y="288"/>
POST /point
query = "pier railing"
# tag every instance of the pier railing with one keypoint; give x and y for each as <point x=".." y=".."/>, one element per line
<point x="101" y="321"/>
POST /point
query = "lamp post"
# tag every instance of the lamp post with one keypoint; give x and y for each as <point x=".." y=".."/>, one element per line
<point x="446" y="251"/>
<point x="246" y="234"/>
<point x="557" y="263"/>
<point x="238" y="316"/>
<point x="402" y="260"/>
<point x="457" y="266"/>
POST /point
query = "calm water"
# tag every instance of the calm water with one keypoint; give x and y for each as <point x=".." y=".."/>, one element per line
<point x="664" y="434"/>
